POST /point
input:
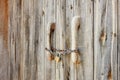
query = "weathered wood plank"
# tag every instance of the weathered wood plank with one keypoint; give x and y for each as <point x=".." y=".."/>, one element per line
<point x="118" y="39"/>
<point x="75" y="7"/>
<point x="38" y="19"/>
<point x="69" y="15"/>
<point x="41" y="40"/>
<point x="14" y="39"/>
<point x="4" y="55"/>
<point x="105" y="43"/>
<point x="50" y="38"/>
<point x="101" y="48"/>
<point x="24" y="63"/>
<point x="85" y="41"/>
<point x="84" y="9"/>
<point x="60" y="37"/>
<point x="32" y="54"/>
<point x="113" y="75"/>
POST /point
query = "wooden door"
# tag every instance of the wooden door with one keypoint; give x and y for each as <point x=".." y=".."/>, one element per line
<point x="27" y="27"/>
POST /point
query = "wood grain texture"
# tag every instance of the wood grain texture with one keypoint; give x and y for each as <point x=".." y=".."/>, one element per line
<point x="50" y="19"/>
<point x="86" y="42"/>
<point x="69" y="15"/>
<point x="4" y="54"/>
<point x="24" y="35"/>
<point x="118" y="39"/>
<point x="114" y="55"/>
<point x="105" y="56"/>
<point x="84" y="9"/>
<point x="60" y="37"/>
<point x="14" y="43"/>
<point x="41" y="39"/>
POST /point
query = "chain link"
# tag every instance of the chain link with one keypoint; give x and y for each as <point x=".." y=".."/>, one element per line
<point x="62" y="52"/>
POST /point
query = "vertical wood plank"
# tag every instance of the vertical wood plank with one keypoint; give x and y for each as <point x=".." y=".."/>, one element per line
<point x="57" y="39"/>
<point x="105" y="43"/>
<point x="22" y="39"/>
<point x="69" y="15"/>
<point x="4" y="55"/>
<point x="113" y="75"/>
<point x="60" y="37"/>
<point x="50" y="11"/>
<point x="118" y="39"/>
<point x="31" y="25"/>
<point x="75" y="7"/>
<point x="24" y="64"/>
<point x="101" y="54"/>
<point x="84" y="9"/>
<point x="41" y="40"/>
<point x="14" y="38"/>
<point x="85" y="41"/>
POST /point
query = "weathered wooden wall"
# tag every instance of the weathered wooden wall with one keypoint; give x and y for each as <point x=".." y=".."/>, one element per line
<point x="25" y="30"/>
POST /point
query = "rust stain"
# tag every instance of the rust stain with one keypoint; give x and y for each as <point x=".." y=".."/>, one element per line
<point x="78" y="60"/>
<point x="103" y="37"/>
<point x="52" y="28"/>
<point x="110" y="75"/>
<point x="4" y="21"/>
<point x="51" y="57"/>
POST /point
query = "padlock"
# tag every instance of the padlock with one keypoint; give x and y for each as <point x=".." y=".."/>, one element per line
<point x="57" y="58"/>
